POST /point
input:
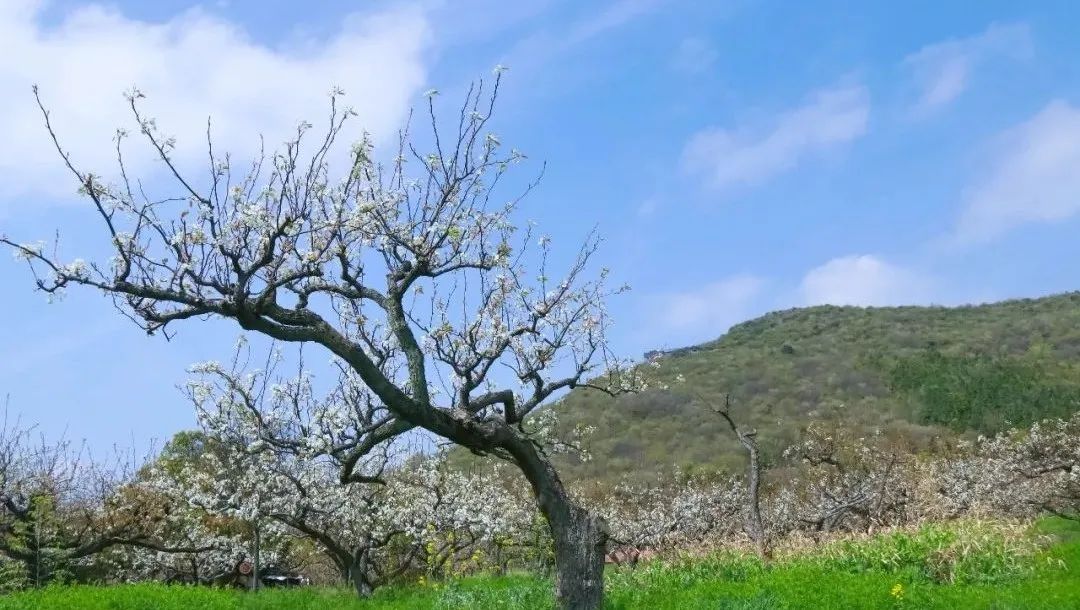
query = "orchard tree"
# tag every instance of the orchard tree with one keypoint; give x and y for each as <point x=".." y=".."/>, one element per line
<point x="413" y="273"/>
<point x="755" y="526"/>
<point x="673" y="512"/>
<point x="281" y="461"/>
<point x="287" y="456"/>
<point x="59" y="510"/>
<point x="852" y="483"/>
<point x="171" y="480"/>
<point x="220" y="494"/>
<point x="1038" y="468"/>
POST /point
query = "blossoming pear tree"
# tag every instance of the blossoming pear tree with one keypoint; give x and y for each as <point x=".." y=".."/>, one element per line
<point x="413" y="272"/>
<point x="59" y="510"/>
<point x="286" y="457"/>
<point x="851" y="483"/>
<point x="1040" y="466"/>
<point x="674" y="512"/>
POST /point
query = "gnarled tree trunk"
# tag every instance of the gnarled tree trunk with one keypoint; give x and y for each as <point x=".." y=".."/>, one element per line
<point x="355" y="570"/>
<point x="356" y="576"/>
<point x="755" y="525"/>
<point x="580" y="543"/>
<point x="580" y="537"/>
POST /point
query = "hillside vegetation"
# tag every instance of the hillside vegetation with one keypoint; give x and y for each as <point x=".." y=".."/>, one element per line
<point x="920" y="375"/>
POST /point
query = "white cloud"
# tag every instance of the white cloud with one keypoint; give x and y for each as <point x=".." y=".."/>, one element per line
<point x="864" y="280"/>
<point x="1035" y="177"/>
<point x="190" y="67"/>
<point x="708" y="311"/>
<point x="694" y="56"/>
<point x="647" y="208"/>
<point x="613" y="16"/>
<point x="471" y="21"/>
<point x="942" y="71"/>
<point x="682" y="318"/>
<point x="545" y="47"/>
<point x="747" y="156"/>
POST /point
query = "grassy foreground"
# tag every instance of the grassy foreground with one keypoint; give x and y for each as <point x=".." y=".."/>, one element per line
<point x="933" y="568"/>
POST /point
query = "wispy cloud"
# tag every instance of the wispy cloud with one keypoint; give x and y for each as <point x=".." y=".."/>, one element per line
<point x="191" y="66"/>
<point x="706" y="312"/>
<point x="647" y="208"/>
<point x="614" y="15"/>
<point x="1034" y="178"/>
<point x="864" y="280"/>
<point x="543" y="46"/>
<point x="942" y="71"/>
<point x="470" y="21"/>
<point x="694" y="56"/>
<point x="747" y="155"/>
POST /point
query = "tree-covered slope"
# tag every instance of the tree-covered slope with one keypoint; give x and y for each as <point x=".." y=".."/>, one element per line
<point x="915" y="373"/>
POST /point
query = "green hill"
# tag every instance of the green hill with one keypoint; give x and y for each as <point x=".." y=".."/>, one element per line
<point x="919" y="374"/>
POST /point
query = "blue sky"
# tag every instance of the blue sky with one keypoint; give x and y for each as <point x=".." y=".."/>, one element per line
<point x="738" y="156"/>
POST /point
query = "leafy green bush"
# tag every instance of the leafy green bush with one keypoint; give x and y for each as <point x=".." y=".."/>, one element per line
<point x="13" y="576"/>
<point x="984" y="392"/>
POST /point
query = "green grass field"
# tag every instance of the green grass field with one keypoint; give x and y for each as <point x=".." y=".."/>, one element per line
<point x="929" y="569"/>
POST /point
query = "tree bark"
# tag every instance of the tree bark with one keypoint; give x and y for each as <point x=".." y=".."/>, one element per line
<point x="580" y="543"/>
<point x="354" y="571"/>
<point x="255" y="564"/>
<point x="358" y="579"/>
<point x="580" y="537"/>
<point x="756" y="524"/>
